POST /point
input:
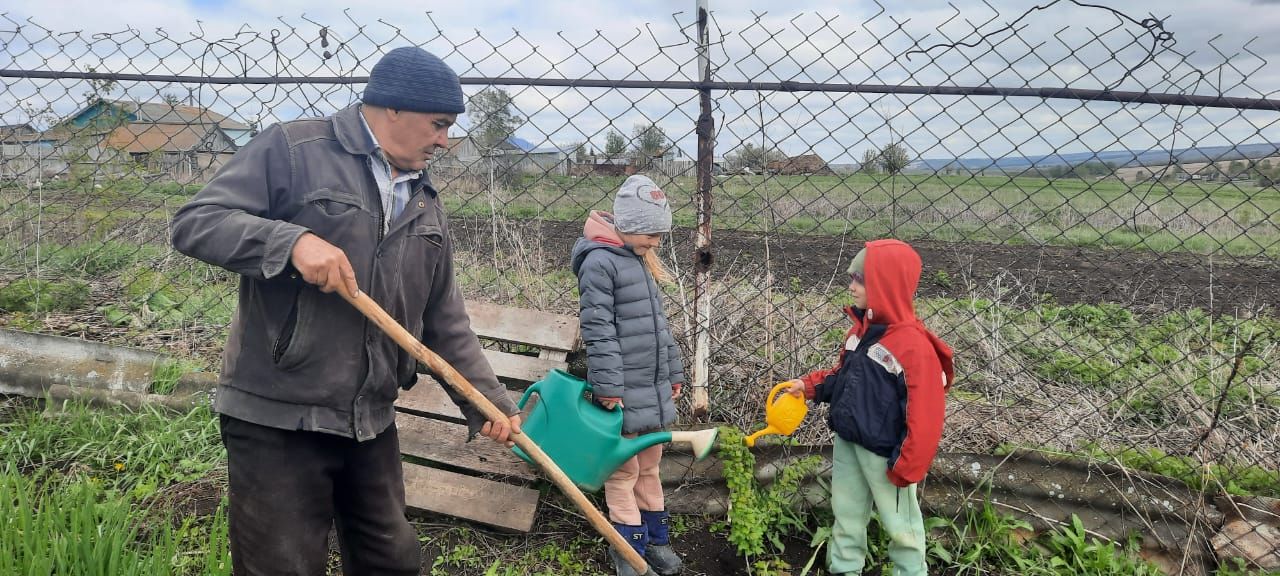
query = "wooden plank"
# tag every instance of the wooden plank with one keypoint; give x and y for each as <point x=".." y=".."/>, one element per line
<point x="446" y="443"/>
<point x="557" y="355"/>
<point x="500" y="505"/>
<point x="520" y="368"/>
<point x="428" y="398"/>
<point x="524" y="326"/>
<point x="517" y="370"/>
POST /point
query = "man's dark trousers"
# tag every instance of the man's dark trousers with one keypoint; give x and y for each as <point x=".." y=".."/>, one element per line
<point x="287" y="488"/>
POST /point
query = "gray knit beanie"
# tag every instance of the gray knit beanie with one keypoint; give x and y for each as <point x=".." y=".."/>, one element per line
<point x="641" y="207"/>
<point x="410" y="78"/>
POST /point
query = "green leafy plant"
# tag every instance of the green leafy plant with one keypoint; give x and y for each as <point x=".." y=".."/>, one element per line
<point x="459" y="556"/>
<point x="942" y="279"/>
<point x="759" y="514"/>
<point x="1070" y="550"/>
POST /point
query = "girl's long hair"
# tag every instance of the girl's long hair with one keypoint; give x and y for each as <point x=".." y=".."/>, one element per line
<point x="659" y="271"/>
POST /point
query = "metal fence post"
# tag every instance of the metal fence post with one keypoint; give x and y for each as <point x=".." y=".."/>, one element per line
<point x="702" y="256"/>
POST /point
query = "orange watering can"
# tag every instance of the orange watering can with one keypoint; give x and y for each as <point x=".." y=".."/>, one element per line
<point x="782" y="414"/>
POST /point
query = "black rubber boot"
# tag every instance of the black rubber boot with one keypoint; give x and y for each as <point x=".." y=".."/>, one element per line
<point x="638" y="537"/>
<point x="659" y="554"/>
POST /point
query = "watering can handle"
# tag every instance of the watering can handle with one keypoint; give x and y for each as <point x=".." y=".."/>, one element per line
<point x="773" y="394"/>
<point x="527" y="393"/>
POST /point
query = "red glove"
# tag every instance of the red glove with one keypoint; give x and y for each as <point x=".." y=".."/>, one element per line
<point x="676" y="390"/>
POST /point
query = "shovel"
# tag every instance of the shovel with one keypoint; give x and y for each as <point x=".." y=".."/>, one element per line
<point x="440" y="367"/>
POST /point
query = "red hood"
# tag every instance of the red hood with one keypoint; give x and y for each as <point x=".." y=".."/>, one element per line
<point x="892" y="274"/>
<point x="599" y="228"/>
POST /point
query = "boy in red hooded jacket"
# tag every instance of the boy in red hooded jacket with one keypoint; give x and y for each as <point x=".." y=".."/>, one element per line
<point x="887" y="408"/>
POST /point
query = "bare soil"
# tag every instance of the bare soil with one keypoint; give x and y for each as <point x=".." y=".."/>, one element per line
<point x="1138" y="279"/>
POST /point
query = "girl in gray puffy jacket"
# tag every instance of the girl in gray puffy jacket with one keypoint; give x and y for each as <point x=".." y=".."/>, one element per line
<point x="633" y="363"/>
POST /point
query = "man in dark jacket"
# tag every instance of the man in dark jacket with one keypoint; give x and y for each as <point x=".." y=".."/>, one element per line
<point x="308" y="208"/>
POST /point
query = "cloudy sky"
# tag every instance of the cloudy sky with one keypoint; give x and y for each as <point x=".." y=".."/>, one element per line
<point x="959" y="43"/>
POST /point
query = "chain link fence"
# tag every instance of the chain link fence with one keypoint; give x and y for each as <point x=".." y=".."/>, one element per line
<point x="1096" y="205"/>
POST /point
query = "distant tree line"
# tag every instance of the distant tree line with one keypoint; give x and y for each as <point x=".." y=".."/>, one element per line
<point x="1084" y="170"/>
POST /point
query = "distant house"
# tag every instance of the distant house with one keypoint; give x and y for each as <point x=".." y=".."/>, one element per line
<point x="10" y="133"/>
<point x="462" y="148"/>
<point x="185" y="150"/>
<point x="23" y="154"/>
<point x="465" y="155"/>
<point x="604" y="166"/>
<point x="186" y="142"/>
<point x="550" y="159"/>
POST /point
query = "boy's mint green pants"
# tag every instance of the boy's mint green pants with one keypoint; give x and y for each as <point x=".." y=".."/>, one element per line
<point x="858" y="480"/>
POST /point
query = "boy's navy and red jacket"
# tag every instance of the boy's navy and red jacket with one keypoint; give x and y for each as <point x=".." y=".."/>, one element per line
<point x="887" y="389"/>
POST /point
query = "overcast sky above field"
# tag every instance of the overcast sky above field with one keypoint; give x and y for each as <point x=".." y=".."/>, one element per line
<point x="801" y="40"/>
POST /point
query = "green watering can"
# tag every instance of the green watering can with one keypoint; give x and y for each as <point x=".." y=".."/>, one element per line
<point x="586" y="440"/>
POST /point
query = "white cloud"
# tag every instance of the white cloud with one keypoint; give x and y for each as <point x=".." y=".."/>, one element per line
<point x="809" y="41"/>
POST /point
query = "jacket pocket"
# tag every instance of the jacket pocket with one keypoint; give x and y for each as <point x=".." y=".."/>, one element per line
<point x="420" y="249"/>
<point x="432" y="234"/>
<point x="289" y="349"/>
<point x="334" y="202"/>
<point x="338" y="216"/>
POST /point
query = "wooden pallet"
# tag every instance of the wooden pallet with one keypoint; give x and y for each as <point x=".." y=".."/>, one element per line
<point x="480" y="480"/>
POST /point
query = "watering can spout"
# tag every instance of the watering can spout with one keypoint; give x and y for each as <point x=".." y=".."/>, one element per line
<point x="782" y="414"/>
<point x="751" y="440"/>
<point x="701" y="441"/>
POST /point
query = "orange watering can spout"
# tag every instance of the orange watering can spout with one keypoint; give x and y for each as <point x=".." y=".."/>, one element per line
<point x="782" y="414"/>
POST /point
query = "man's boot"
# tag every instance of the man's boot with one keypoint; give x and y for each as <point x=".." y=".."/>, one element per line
<point x="638" y="537"/>
<point x="661" y="558"/>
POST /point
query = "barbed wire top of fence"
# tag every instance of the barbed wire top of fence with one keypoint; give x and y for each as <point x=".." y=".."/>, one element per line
<point x="1052" y="44"/>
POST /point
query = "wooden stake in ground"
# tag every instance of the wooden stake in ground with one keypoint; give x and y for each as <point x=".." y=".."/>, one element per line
<point x="441" y="368"/>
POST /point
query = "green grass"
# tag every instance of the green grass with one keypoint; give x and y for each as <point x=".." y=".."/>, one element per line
<point x="165" y="375"/>
<point x="1110" y="347"/>
<point x="85" y="491"/>
<point x="1240" y="481"/>
<point x="129" y="451"/>
<point x="73" y="525"/>
<point x="1239" y="220"/>
<point x="43" y="296"/>
<point x="173" y="298"/>
<point x="96" y="259"/>
<point x="1236" y="219"/>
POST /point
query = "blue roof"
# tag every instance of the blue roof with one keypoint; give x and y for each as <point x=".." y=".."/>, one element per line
<point x="521" y="143"/>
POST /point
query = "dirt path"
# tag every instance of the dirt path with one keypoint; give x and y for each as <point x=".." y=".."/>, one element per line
<point x="1138" y="279"/>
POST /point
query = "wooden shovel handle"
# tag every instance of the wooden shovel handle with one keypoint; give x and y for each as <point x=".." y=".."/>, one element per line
<point x="440" y="367"/>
